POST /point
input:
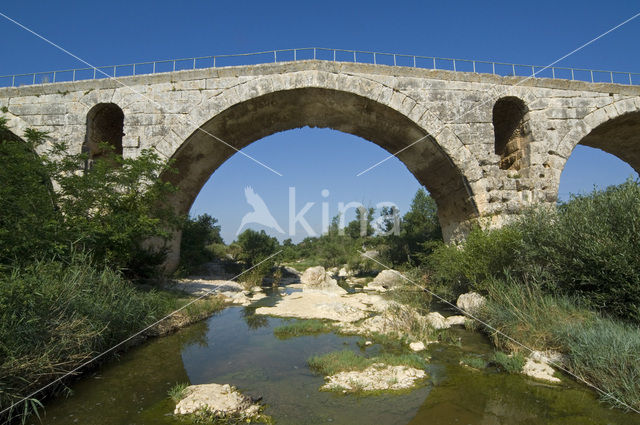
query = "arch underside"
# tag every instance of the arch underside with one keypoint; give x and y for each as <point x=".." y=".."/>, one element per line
<point x="620" y="137"/>
<point x="200" y="155"/>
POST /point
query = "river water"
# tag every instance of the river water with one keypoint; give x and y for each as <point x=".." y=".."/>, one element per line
<point x="239" y="348"/>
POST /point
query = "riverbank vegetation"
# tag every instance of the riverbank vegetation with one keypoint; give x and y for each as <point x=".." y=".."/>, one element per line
<point x="71" y="247"/>
<point x="565" y="279"/>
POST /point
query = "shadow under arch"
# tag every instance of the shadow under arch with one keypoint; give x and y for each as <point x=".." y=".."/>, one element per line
<point x="251" y="120"/>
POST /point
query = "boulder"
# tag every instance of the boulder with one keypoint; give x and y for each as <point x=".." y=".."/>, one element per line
<point x="437" y="321"/>
<point x="470" y="302"/>
<point x="376" y="377"/>
<point x="386" y="279"/>
<point x="417" y="346"/>
<point x="343" y="272"/>
<point x="455" y="320"/>
<point x="221" y="400"/>
<point x="539" y="370"/>
<point x="317" y="279"/>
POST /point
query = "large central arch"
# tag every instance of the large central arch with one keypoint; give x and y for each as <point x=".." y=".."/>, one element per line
<point x="250" y="120"/>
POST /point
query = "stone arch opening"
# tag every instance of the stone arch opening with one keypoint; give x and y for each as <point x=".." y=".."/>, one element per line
<point x="246" y="122"/>
<point x="105" y="124"/>
<point x="512" y="133"/>
<point x="619" y="136"/>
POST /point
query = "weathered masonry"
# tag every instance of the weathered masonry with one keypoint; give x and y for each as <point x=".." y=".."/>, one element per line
<point x="489" y="145"/>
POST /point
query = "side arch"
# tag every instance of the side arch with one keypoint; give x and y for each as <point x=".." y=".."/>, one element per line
<point x="105" y="124"/>
<point x="614" y="129"/>
<point x="512" y="133"/>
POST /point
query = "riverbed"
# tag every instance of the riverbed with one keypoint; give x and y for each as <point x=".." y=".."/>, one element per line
<point x="239" y="348"/>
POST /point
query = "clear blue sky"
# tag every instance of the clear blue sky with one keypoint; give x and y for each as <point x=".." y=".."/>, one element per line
<point x="105" y="33"/>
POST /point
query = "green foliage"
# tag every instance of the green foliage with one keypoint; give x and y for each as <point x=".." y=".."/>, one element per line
<point x="256" y="246"/>
<point x="483" y="255"/>
<point x="54" y="316"/>
<point x="525" y="312"/>
<point x="475" y="362"/>
<point x="606" y="354"/>
<point x="590" y="246"/>
<point x="200" y="243"/>
<point x="207" y="416"/>
<point x="301" y="328"/>
<point x="419" y="230"/>
<point x="601" y="350"/>
<point x="509" y="363"/>
<point x="109" y="210"/>
<point x="178" y="392"/>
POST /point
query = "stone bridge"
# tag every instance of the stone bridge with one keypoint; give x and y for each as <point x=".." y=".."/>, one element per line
<point x="483" y="145"/>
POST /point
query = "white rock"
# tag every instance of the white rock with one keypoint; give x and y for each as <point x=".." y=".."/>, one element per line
<point x="203" y="286"/>
<point x="317" y="279"/>
<point x="220" y="399"/>
<point x="548" y="357"/>
<point x="455" y="320"/>
<point x="374" y="378"/>
<point x="417" y="346"/>
<point x="387" y="279"/>
<point x="539" y="370"/>
<point x="437" y="321"/>
<point x="343" y="272"/>
<point x="319" y="305"/>
<point x="470" y="302"/>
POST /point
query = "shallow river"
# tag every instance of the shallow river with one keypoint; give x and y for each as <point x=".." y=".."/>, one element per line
<point x="239" y="348"/>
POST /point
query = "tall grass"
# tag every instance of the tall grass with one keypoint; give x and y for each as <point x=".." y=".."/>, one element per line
<point x="54" y="316"/>
<point x="602" y="351"/>
<point x="606" y="353"/>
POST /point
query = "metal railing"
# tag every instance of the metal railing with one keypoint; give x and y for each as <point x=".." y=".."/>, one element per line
<point x="320" y="53"/>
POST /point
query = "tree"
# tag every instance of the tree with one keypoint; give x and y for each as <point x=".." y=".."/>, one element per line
<point x="256" y="246"/>
<point x="197" y="235"/>
<point x="109" y="210"/>
<point x="420" y="229"/>
<point x="361" y="225"/>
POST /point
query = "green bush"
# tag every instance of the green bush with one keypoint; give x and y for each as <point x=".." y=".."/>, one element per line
<point x="484" y="254"/>
<point x="199" y="235"/>
<point x="509" y="363"/>
<point x="590" y="246"/>
<point x="587" y="247"/>
<point x="256" y="247"/>
<point x="109" y="210"/>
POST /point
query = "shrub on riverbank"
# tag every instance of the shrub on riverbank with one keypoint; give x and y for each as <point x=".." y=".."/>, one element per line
<point x="54" y="316"/>
<point x="108" y="210"/>
<point x="301" y="328"/>
<point x="602" y="351"/>
<point x="588" y="247"/>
